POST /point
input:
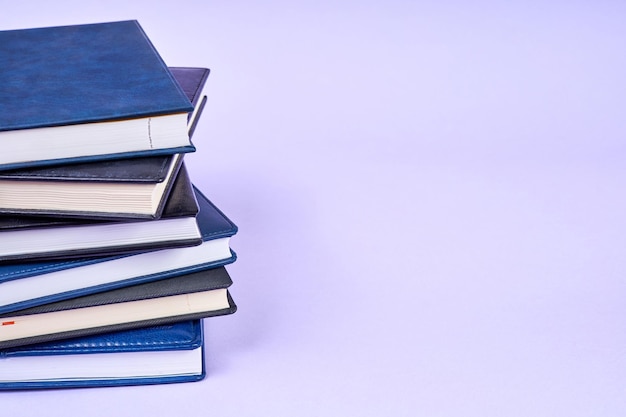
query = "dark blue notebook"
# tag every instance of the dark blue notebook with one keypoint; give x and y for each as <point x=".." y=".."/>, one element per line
<point x="153" y="355"/>
<point x="88" y="76"/>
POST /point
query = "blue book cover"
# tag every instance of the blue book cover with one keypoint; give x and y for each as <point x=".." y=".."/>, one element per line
<point x="112" y="359"/>
<point x="82" y="75"/>
<point x="29" y="284"/>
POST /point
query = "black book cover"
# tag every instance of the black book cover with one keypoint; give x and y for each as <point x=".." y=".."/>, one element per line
<point x="181" y="204"/>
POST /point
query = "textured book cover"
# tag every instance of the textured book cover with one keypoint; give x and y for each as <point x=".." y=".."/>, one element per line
<point x="111" y="359"/>
<point x="139" y="170"/>
<point x="64" y="75"/>
<point x="87" y="92"/>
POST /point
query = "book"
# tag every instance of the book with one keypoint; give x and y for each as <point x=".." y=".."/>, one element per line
<point x="87" y="92"/>
<point x="192" y="80"/>
<point x="29" y="284"/>
<point x="119" y="188"/>
<point x="185" y="297"/>
<point x="112" y="359"/>
<point x="35" y="238"/>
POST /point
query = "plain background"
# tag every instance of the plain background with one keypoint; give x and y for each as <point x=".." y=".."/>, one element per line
<point x="430" y="198"/>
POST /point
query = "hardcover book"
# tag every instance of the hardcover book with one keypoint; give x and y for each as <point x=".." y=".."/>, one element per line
<point x="119" y="188"/>
<point x="154" y="355"/>
<point x="193" y="81"/>
<point x="29" y="284"/>
<point x="87" y="92"/>
<point x="185" y="297"/>
<point x="116" y="189"/>
<point x="33" y="238"/>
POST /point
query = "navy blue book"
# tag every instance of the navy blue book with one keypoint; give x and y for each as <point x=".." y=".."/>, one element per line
<point x="87" y="92"/>
<point x="114" y="359"/>
<point x="29" y="284"/>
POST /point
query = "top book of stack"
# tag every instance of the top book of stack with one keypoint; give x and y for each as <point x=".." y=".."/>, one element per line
<point x="86" y="93"/>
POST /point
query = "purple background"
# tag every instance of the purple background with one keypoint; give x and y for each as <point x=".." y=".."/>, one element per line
<point x="431" y="202"/>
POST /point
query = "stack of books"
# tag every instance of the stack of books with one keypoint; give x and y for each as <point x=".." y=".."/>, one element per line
<point x="110" y="257"/>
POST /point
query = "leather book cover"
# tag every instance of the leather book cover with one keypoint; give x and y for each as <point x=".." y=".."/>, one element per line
<point x="148" y="169"/>
<point x="192" y="80"/>
<point x="78" y="74"/>
<point x="83" y="353"/>
<point x="140" y="170"/>
<point x="181" y="203"/>
<point x="70" y="93"/>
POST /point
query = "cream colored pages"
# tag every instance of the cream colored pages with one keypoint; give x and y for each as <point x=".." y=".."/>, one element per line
<point x="20" y="327"/>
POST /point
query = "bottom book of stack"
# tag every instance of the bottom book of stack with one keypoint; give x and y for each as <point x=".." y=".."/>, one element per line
<point x="153" y="355"/>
